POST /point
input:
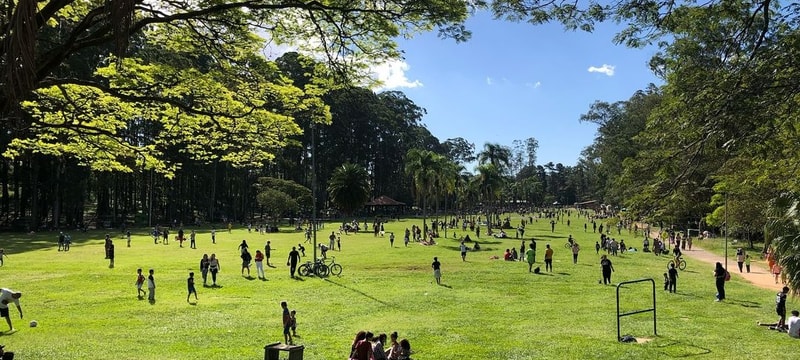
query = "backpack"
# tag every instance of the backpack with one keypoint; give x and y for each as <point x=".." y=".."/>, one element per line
<point x="727" y="276"/>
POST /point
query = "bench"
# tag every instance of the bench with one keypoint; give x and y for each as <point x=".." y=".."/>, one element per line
<point x="272" y="351"/>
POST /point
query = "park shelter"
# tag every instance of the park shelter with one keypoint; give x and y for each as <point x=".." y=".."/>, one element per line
<point x="385" y="205"/>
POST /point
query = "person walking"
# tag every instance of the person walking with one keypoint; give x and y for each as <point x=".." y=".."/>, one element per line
<point x="192" y="241"/>
<point x="190" y="287"/>
<point x="672" y="275"/>
<point x="213" y="267"/>
<point x="548" y="258"/>
<point x="607" y="269"/>
<point x="463" y="247"/>
<point x="719" y="279"/>
<point x="437" y="272"/>
<point x="8" y="296"/>
<point x="204" y="264"/>
<point x="740" y="256"/>
<point x="139" y="284"/>
<point x="246" y="259"/>
<point x="294" y="258"/>
<point x="530" y="255"/>
<point x="575" y="249"/>
<point x="267" y="252"/>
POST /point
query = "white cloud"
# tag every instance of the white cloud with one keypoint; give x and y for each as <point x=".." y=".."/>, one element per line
<point x="392" y="75"/>
<point x="535" y="85"/>
<point x="489" y="81"/>
<point x="605" y="69"/>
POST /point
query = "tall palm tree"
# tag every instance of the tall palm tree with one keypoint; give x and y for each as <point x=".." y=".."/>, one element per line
<point x="491" y="182"/>
<point x="495" y="154"/>
<point x="423" y="166"/>
<point x="782" y="233"/>
<point x="349" y="187"/>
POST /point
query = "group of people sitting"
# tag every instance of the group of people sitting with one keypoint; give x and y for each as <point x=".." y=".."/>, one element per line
<point x="367" y="346"/>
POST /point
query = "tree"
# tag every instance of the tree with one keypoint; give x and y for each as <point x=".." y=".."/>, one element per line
<point x="783" y="235"/>
<point x="349" y="188"/>
<point x="279" y="197"/>
<point x="497" y="155"/>
<point x="276" y="204"/>
<point x="459" y="150"/>
<point x="422" y="166"/>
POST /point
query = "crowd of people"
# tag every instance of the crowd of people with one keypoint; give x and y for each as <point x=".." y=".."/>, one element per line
<point x="368" y="346"/>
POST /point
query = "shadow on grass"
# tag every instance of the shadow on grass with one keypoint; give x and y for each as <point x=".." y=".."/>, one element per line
<point x="742" y="303"/>
<point x="678" y="349"/>
<point x="249" y="277"/>
<point x="8" y="332"/>
<point x="359" y="292"/>
<point x="298" y="278"/>
<point x="446" y="286"/>
<point x="563" y="273"/>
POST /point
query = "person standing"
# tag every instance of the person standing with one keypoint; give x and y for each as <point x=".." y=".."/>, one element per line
<point x="260" y="265"/>
<point x="672" y="274"/>
<point x="548" y="258"/>
<point x="437" y="272"/>
<point x="391" y="239"/>
<point x="780" y="308"/>
<point x="110" y="252"/>
<point x="139" y="284"/>
<point x="740" y="256"/>
<point x="190" y="286"/>
<point x="294" y="258"/>
<point x="530" y="255"/>
<point x="204" y="263"/>
<point x="332" y="241"/>
<point x="213" y="267"/>
<point x="243" y="247"/>
<point x="8" y="296"/>
<point x="267" y="252"/>
<point x="533" y="244"/>
<point x="151" y="286"/>
<point x="107" y="244"/>
<point x="747" y="262"/>
<point x="192" y="236"/>
<point x="463" y="251"/>
<point x="128" y="235"/>
<point x="246" y="259"/>
<point x="213" y="235"/>
<point x="575" y="249"/>
<point x="607" y="269"/>
<point x="287" y="323"/>
<point x="719" y="277"/>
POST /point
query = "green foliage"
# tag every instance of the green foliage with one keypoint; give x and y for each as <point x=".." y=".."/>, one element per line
<point x="349" y="187"/>
<point x="279" y="197"/>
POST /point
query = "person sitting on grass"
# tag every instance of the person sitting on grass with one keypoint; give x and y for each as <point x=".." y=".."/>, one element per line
<point x="793" y="325"/>
<point x="507" y="256"/>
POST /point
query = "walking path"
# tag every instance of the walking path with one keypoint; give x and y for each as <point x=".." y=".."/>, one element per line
<point x="757" y="276"/>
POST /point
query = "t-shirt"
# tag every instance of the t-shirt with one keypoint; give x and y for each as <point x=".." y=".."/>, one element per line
<point x="436" y="265"/>
<point x="794" y="326"/>
<point x="139" y="279"/>
<point x="606" y="264"/>
<point x="530" y="254"/>
<point x="463" y="248"/>
<point x="780" y="300"/>
<point x="548" y="254"/>
<point x="151" y="282"/>
<point x="8" y="296"/>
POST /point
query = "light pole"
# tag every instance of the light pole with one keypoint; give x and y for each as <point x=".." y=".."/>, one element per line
<point x="314" y="189"/>
<point x="725" y="195"/>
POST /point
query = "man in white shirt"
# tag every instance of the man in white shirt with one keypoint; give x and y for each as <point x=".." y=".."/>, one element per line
<point x="794" y="324"/>
<point x="8" y="296"/>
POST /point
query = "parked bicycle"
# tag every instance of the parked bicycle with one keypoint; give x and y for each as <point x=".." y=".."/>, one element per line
<point x="317" y="268"/>
<point x="334" y="268"/>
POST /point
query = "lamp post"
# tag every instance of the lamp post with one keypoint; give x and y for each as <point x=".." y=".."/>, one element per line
<point x="314" y="189"/>
<point x="725" y="194"/>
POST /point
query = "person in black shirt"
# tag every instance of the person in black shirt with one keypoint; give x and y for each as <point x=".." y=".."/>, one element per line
<point x="294" y="258"/>
<point x="437" y="273"/>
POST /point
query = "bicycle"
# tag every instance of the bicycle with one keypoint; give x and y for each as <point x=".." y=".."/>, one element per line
<point x="334" y="268"/>
<point x="569" y="243"/>
<point x="680" y="265"/>
<point x="317" y="268"/>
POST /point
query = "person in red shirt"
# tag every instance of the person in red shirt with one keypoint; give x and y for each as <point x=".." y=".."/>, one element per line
<point x="259" y="259"/>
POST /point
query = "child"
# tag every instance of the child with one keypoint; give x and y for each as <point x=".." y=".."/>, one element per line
<point x="2" y="256"/>
<point x="190" y="286"/>
<point x="747" y="262"/>
<point x="776" y="270"/>
<point x="293" y="322"/>
<point x="666" y="281"/>
<point x="673" y="278"/>
<point x="139" y="283"/>
<point x="597" y="247"/>
<point x="151" y="286"/>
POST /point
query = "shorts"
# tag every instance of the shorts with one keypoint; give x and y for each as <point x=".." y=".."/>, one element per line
<point x="286" y="330"/>
<point x="437" y="273"/>
<point x="781" y="311"/>
<point x="3" y="312"/>
<point x="463" y="253"/>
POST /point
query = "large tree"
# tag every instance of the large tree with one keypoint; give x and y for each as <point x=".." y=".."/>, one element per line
<point x="349" y="188"/>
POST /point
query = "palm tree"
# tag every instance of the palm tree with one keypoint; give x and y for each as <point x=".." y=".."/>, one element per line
<point x="349" y="187"/>
<point x="495" y="154"/>
<point x="782" y="233"/>
<point x="422" y="166"/>
<point x="491" y="181"/>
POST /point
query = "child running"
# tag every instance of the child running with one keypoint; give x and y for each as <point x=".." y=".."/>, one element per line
<point x="190" y="286"/>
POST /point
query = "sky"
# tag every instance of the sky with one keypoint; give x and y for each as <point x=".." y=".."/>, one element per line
<point x="512" y="81"/>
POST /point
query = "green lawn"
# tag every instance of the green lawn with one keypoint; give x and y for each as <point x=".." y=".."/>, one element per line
<point x="487" y="309"/>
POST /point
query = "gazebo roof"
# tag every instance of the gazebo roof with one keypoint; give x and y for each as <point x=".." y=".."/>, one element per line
<point x="384" y="200"/>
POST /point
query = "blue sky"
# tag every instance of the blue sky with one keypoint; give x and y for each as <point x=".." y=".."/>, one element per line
<point x="515" y="81"/>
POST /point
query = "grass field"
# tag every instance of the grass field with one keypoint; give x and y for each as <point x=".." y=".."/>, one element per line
<point x="486" y="309"/>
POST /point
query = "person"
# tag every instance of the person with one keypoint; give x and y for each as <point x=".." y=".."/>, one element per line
<point x="339" y="242"/>
<point x="213" y="236"/>
<point x="324" y="250"/>
<point x="8" y="296"/>
<point x="107" y="244"/>
<point x="246" y="259"/>
<point x="287" y="322"/>
<point x="180" y="237"/>
<point x="2" y="256"/>
<point x="463" y="247"/>
<point x="293" y="322"/>
<point x="607" y="269"/>
<point x="437" y="272"/>
<point x="780" y="308"/>
<point x="394" y="347"/>
<point x="294" y="258"/>
<point x="110" y="251"/>
<point x="204" y="262"/>
<point x="166" y="236"/>
<point x="192" y="242"/>
<point x="267" y="252"/>
<point x="405" y="350"/>
<point x="548" y="258"/>
<point x="377" y="347"/>
<point x="597" y="247"/>
<point x="747" y="262"/>
<point x="302" y="249"/>
<point x="139" y="283"/>
<point x="60" y="240"/>
<point x="719" y="276"/>
<point x="793" y="324"/>
<point x="776" y="271"/>
<point x="260" y="265"/>
<point x="740" y="259"/>
<point x="128" y="235"/>
<point x="530" y="254"/>
<point x="190" y="287"/>
<point x="362" y="349"/>
<point x="151" y="286"/>
<point x="672" y="273"/>
<point x="213" y="267"/>
<point x="243" y="247"/>
<point x="391" y="239"/>
<point x="575" y="249"/>
<point x="507" y="255"/>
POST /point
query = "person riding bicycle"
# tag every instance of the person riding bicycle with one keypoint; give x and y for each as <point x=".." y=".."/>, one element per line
<point x="676" y="253"/>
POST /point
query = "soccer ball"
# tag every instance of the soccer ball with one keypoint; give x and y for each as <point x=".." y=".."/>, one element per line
<point x="34" y="323"/>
